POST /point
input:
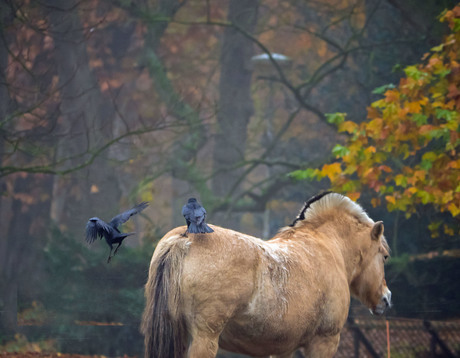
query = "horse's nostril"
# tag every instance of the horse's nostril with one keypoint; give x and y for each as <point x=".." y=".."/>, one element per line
<point x="387" y="302"/>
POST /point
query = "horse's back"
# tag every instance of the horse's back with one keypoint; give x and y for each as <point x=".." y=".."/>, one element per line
<point x="218" y="274"/>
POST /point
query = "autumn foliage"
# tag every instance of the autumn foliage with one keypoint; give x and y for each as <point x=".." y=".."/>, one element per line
<point x="407" y="149"/>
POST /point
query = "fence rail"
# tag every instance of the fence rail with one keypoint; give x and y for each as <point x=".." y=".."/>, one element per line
<point x="367" y="338"/>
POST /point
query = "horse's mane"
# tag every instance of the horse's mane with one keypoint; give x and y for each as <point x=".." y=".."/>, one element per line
<point x="323" y="202"/>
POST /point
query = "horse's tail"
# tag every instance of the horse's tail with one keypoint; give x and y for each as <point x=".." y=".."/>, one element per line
<point x="163" y="323"/>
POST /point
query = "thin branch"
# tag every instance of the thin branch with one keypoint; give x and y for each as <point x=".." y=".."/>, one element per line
<point x="49" y="169"/>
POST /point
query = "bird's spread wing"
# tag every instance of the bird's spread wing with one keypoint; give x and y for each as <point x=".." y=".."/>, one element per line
<point x="96" y="227"/>
<point x="124" y="217"/>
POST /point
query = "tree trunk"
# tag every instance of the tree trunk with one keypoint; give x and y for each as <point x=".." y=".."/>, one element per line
<point x="235" y="106"/>
<point x="86" y="122"/>
<point x="235" y="103"/>
<point x="8" y="288"/>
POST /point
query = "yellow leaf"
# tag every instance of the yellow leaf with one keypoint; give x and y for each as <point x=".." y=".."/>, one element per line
<point x="447" y="197"/>
<point x="375" y="126"/>
<point x="348" y="126"/>
<point x="331" y="170"/>
<point x="454" y="209"/>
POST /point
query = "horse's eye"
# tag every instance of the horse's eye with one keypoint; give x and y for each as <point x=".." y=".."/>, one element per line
<point x="385" y="257"/>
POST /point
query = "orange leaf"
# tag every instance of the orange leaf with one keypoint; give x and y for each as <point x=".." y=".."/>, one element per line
<point x="375" y="202"/>
<point x="385" y="168"/>
<point x="370" y="149"/>
<point x="390" y="199"/>
<point x="354" y="196"/>
<point x="414" y="107"/>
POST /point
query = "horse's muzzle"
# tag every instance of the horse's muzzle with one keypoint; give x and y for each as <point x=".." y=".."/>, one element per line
<point x="384" y="304"/>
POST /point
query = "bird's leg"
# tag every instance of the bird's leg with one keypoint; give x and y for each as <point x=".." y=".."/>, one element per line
<point x="110" y="254"/>
<point x="185" y="234"/>
<point x="116" y="250"/>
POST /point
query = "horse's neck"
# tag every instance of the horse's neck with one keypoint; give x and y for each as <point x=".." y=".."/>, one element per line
<point x="333" y="238"/>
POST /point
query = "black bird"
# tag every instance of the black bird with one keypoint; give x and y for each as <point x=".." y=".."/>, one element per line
<point x="195" y="216"/>
<point x="112" y="235"/>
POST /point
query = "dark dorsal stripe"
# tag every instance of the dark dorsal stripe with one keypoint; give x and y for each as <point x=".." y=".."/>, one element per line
<point x="307" y="204"/>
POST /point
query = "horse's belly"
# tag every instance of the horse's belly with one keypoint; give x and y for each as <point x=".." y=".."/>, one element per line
<point x="258" y="338"/>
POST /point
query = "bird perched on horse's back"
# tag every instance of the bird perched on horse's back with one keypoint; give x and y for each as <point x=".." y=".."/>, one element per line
<point x="195" y="216"/>
<point x="110" y="231"/>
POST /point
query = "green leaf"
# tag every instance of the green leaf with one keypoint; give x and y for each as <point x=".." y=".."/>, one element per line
<point x="456" y="25"/>
<point x="426" y="164"/>
<point x="414" y="72"/>
<point x="303" y="174"/>
<point x="335" y="118"/>
<point x="401" y="180"/>
<point x="340" y="150"/>
<point x="446" y="114"/>
<point x="435" y="133"/>
<point x="444" y="73"/>
<point x="351" y="186"/>
<point x="424" y="196"/>
<point x="383" y="89"/>
<point x="420" y="119"/>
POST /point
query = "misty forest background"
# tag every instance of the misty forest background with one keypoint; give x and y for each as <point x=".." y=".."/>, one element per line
<point x="107" y="103"/>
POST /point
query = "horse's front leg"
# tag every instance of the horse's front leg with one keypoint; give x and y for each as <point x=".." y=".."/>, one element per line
<point x="322" y="347"/>
<point x="203" y="346"/>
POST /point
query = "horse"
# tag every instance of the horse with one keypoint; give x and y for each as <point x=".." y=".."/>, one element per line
<point x="265" y="298"/>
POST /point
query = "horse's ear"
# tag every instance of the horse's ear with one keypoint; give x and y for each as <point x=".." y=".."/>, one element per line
<point x="377" y="230"/>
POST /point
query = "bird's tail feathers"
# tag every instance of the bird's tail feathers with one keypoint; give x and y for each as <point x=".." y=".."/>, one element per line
<point x="193" y="228"/>
<point x="206" y="228"/>
<point x="203" y="228"/>
<point x="126" y="234"/>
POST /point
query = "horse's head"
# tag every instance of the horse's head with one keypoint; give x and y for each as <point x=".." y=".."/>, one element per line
<point x="369" y="286"/>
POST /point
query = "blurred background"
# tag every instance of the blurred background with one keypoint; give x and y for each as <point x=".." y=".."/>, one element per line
<point x="106" y="103"/>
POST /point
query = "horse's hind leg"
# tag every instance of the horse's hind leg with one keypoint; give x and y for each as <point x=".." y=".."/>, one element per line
<point x="203" y="346"/>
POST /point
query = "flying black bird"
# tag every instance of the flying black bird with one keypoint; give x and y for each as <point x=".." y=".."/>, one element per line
<point x="195" y="216"/>
<point x="112" y="235"/>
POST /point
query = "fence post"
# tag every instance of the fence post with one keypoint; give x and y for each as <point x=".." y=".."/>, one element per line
<point x="359" y="335"/>
<point x="435" y="339"/>
<point x="356" y="343"/>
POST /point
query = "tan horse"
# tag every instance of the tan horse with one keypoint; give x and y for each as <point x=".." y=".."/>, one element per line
<point x="261" y="298"/>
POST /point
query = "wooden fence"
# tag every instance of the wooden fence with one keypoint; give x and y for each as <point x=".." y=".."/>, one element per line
<point x="408" y="338"/>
